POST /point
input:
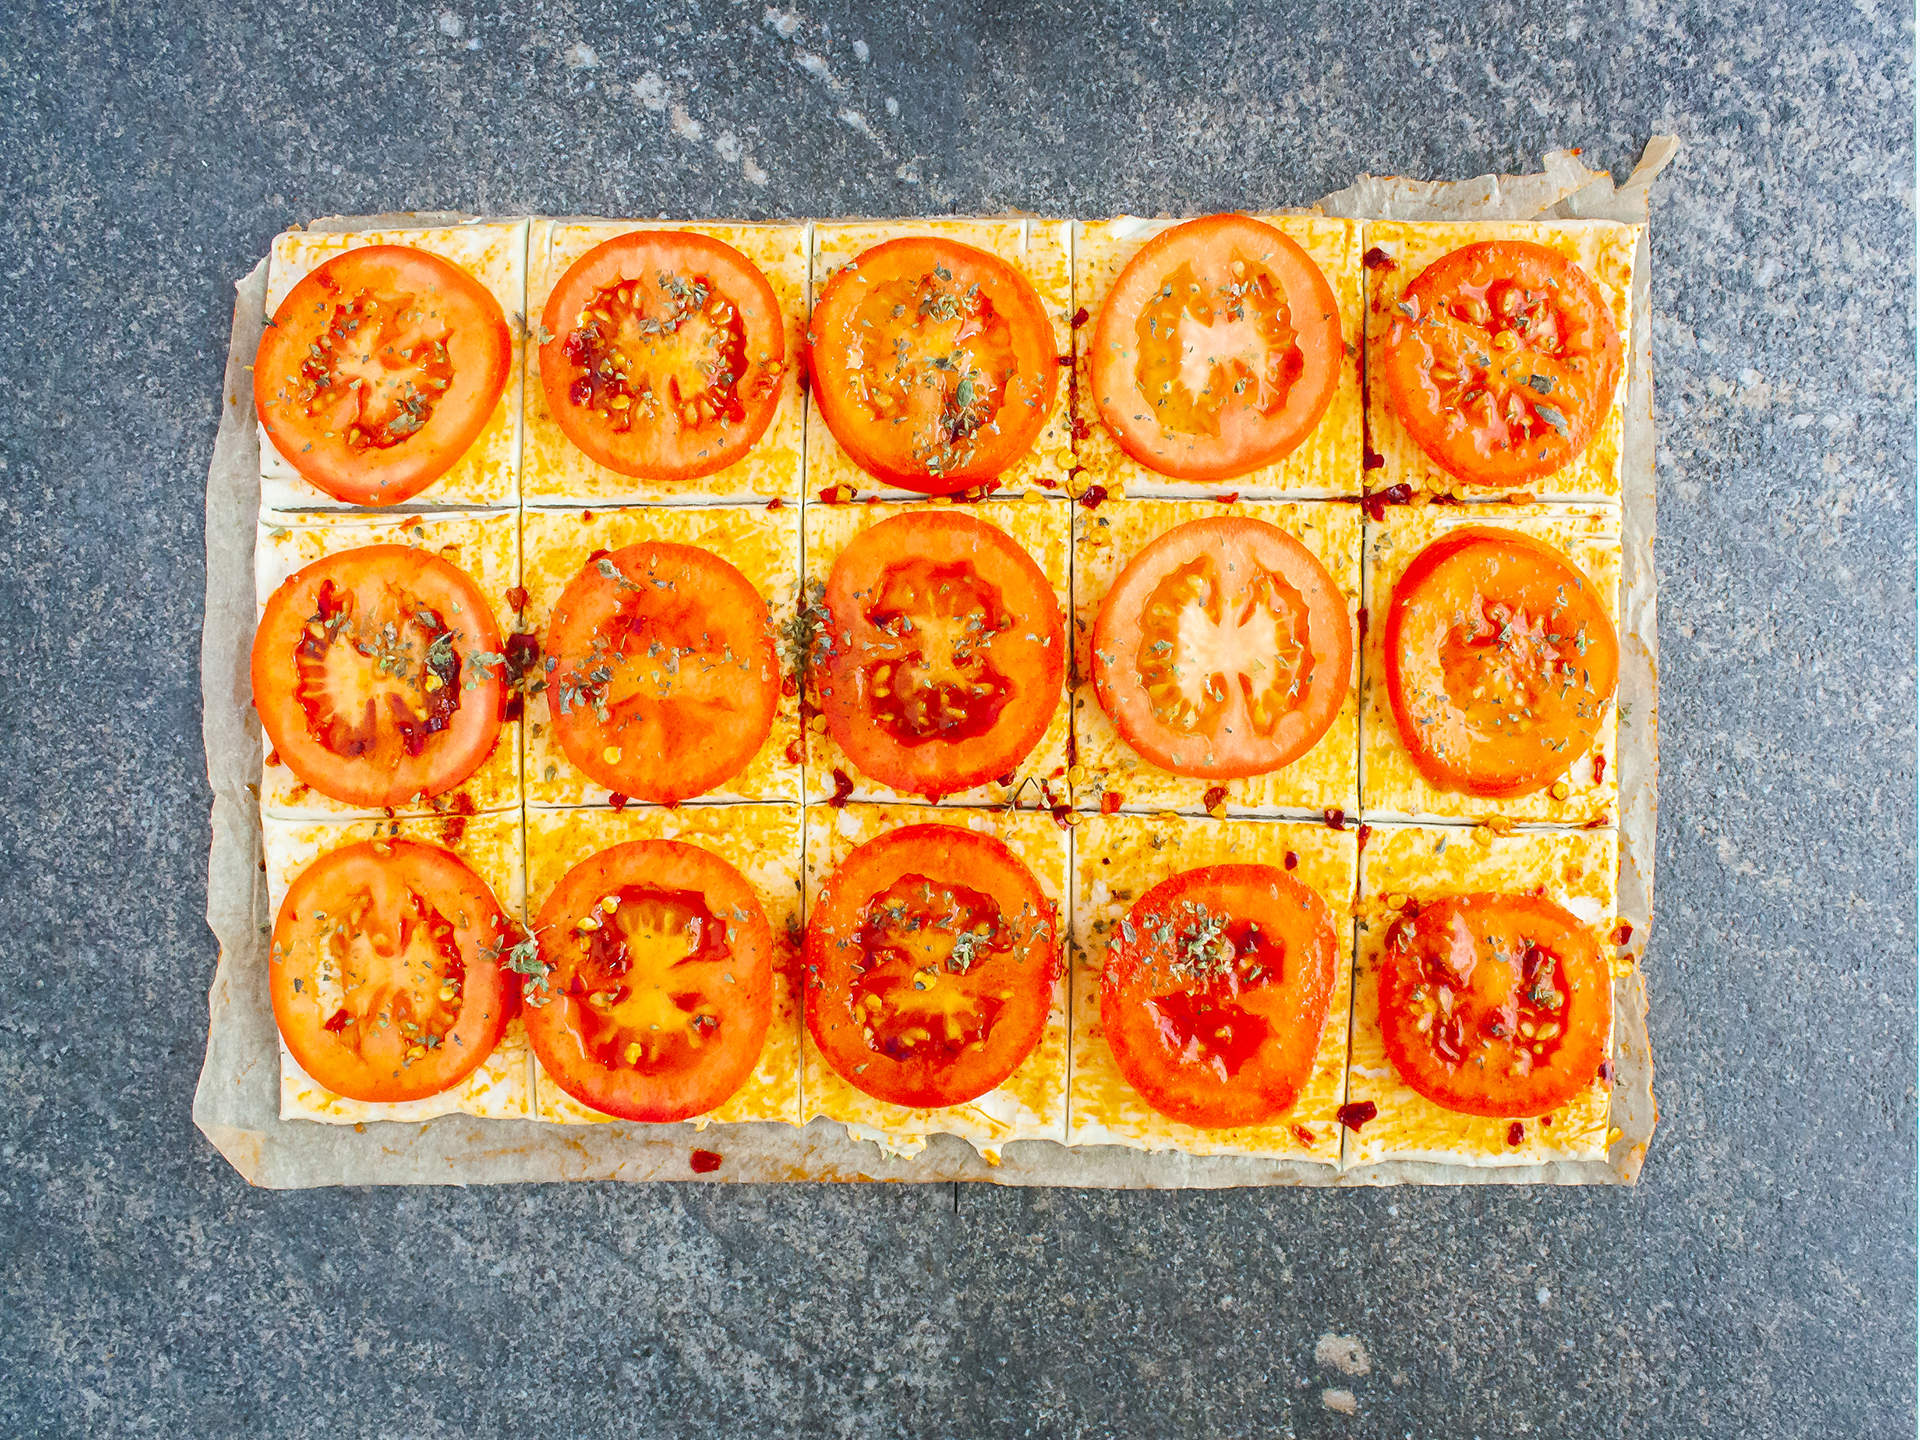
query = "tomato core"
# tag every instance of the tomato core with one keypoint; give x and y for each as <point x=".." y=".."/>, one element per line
<point x="1204" y="347"/>
<point x="377" y="369"/>
<point x="351" y="667"/>
<point x="918" y="935"/>
<point x="1207" y="1025"/>
<point x="943" y="686"/>
<point x="1203" y="634"/>
<point x="635" y="1009"/>
<point x="643" y="348"/>
<point x="935" y="355"/>
<point x="398" y="974"/>
<point x="1494" y="1005"/>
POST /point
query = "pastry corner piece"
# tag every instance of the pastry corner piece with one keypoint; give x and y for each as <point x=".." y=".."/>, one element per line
<point x="1404" y="869"/>
<point x="493" y="253"/>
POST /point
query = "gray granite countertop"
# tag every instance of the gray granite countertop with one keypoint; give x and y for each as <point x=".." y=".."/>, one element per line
<point x="1760" y="1281"/>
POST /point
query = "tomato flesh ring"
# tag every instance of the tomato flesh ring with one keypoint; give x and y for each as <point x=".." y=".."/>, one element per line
<point x="1215" y="994"/>
<point x="658" y="981"/>
<point x="665" y="680"/>
<point x="1223" y="649"/>
<point x="931" y="960"/>
<point x="663" y="355"/>
<point x="378" y="675"/>
<point x="1502" y="360"/>
<point x="379" y="370"/>
<point x="933" y="363"/>
<point x="1495" y="1005"/>
<point x="1500" y="662"/>
<point x="386" y="973"/>
<point x="942" y="656"/>
<point x="1218" y="349"/>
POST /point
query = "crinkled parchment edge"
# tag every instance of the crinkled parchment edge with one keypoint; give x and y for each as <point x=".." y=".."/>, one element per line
<point x="237" y="1102"/>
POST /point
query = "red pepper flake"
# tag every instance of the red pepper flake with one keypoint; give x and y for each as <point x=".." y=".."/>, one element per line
<point x="1371" y="459"/>
<point x="1366" y="832"/>
<point x="1093" y="496"/>
<point x="1111" y="801"/>
<point x="1363" y="622"/>
<point x="1606" y="1072"/>
<point x="789" y="686"/>
<point x="587" y="515"/>
<point x="1304" y="1135"/>
<point x="1378" y="259"/>
<point x="1376" y="501"/>
<point x="1599" y="768"/>
<point x="1080" y="317"/>
<point x="1232" y="497"/>
<point x="1623" y="932"/>
<point x="796" y="753"/>
<point x="517" y="597"/>
<point x="834" y="495"/>
<point x="1602" y="823"/>
<point x="1336" y="819"/>
<point x="1063" y="361"/>
<point x="273" y="757"/>
<point x="1546" y="1122"/>
<point x="597" y="556"/>
<point x="1293" y="860"/>
<point x="339" y="1020"/>
<point x="842" y="788"/>
<point x="1214" y="799"/>
<point x="704" y="1162"/>
<point x="454" y="826"/>
<point x="1516" y="1133"/>
<point x="617" y="800"/>
<point x="775" y="503"/>
<point x="523" y="660"/>
<point x="1081" y="429"/>
<point x="1357" y="1113"/>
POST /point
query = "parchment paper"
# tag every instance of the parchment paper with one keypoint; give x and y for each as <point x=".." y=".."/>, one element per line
<point x="237" y="1103"/>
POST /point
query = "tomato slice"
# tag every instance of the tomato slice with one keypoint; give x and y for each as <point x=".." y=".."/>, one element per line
<point x="933" y="363"/>
<point x="1500" y="662"/>
<point x="1224" y="649"/>
<point x="1216" y="991"/>
<point x="1501" y="360"/>
<point x="931" y="959"/>
<point x="659" y="983"/>
<point x="662" y="354"/>
<point x="378" y="675"/>
<point x="1495" y="1004"/>
<point x="664" y="678"/>
<point x="1218" y="349"/>
<point x="378" y="370"/>
<point x="942" y="654"/>
<point x="386" y="973"/>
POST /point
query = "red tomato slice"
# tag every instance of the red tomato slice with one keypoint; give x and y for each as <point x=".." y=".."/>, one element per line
<point x="663" y="353"/>
<point x="386" y="971"/>
<point x="942" y="654"/>
<point x="1501" y="360"/>
<point x="933" y="363"/>
<point x="1223" y="649"/>
<point x="659" y="982"/>
<point x="378" y="370"/>
<point x="1215" y="993"/>
<point x="1218" y="349"/>
<point x="664" y="677"/>
<point x="1500" y="662"/>
<point x="930" y="965"/>
<point x="1495" y="1004"/>
<point x="378" y="675"/>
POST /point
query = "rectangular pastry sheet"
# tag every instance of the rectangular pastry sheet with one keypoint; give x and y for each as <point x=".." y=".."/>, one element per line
<point x="238" y="1102"/>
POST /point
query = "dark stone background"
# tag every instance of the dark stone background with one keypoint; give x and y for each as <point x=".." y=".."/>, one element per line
<point x="1760" y="1281"/>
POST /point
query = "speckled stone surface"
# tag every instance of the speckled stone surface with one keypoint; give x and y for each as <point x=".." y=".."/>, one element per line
<point x="1760" y="1280"/>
